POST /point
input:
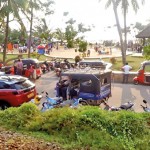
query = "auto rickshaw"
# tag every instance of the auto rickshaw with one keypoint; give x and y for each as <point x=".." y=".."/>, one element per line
<point x="143" y="75"/>
<point x="93" y="84"/>
<point x="95" y="63"/>
<point x="29" y="65"/>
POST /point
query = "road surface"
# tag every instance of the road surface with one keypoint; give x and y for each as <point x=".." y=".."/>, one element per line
<point x="121" y="93"/>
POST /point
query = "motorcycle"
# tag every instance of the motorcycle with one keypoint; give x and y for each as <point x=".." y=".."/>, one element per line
<point x="58" y="72"/>
<point x="126" y="106"/>
<point x="45" y="68"/>
<point x="145" y="108"/>
<point x="58" y="102"/>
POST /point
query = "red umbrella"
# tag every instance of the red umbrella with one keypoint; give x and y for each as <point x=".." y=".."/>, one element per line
<point x="41" y="47"/>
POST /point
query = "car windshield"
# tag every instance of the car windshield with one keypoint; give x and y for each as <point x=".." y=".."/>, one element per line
<point x="23" y="85"/>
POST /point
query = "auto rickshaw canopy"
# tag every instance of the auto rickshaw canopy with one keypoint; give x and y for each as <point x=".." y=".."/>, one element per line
<point x="91" y="79"/>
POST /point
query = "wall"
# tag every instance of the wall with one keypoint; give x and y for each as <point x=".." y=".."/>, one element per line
<point x="117" y="76"/>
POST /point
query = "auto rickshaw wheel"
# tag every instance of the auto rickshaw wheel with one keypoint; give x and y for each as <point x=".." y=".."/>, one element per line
<point x="136" y="82"/>
<point x="83" y="102"/>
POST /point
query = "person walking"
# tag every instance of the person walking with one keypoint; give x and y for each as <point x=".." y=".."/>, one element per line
<point x="126" y="68"/>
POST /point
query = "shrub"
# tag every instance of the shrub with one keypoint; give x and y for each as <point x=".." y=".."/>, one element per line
<point x="87" y="127"/>
<point x="113" y="60"/>
<point x="146" y="52"/>
<point x="20" y="117"/>
<point x="77" y="59"/>
<point x="82" y="46"/>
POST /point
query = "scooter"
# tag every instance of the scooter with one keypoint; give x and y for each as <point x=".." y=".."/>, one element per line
<point x="51" y="102"/>
<point x="36" y="100"/>
<point x="58" y="72"/>
<point x="126" y="106"/>
<point x="58" y="102"/>
<point x="145" y="108"/>
<point x="44" y="68"/>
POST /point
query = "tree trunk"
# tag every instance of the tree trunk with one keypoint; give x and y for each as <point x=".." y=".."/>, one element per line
<point x="119" y="31"/>
<point x="6" y="35"/>
<point x="125" y="30"/>
<point x="30" y="37"/>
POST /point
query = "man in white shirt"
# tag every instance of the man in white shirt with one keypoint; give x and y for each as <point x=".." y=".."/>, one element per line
<point x="126" y="68"/>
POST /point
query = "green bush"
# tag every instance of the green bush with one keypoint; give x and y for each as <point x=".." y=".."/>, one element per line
<point x="87" y="127"/>
<point x="77" y="59"/>
<point x="146" y="52"/>
<point x="19" y="117"/>
<point x="82" y="46"/>
<point x="113" y="60"/>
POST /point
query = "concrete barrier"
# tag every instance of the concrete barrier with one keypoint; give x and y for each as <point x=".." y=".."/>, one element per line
<point x="117" y="76"/>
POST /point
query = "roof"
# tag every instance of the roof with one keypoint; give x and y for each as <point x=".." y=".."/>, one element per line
<point x="144" y="33"/>
<point x="146" y="63"/>
<point x="85" y="73"/>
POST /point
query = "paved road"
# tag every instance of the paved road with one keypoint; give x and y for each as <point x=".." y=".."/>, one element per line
<point x="121" y="93"/>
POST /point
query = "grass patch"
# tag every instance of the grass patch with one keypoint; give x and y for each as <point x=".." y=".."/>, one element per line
<point x="13" y="56"/>
<point x="83" y="128"/>
<point x="135" y="62"/>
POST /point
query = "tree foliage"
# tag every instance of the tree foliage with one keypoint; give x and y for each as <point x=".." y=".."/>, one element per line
<point x="146" y="52"/>
<point x="82" y="46"/>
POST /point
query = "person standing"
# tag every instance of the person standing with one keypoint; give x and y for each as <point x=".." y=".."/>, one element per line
<point x="19" y="67"/>
<point x="126" y="68"/>
<point x="88" y="53"/>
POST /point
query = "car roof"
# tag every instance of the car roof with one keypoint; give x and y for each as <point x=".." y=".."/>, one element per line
<point x="29" y="59"/>
<point x="11" y="79"/>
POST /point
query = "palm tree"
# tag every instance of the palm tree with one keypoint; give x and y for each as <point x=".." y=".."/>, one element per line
<point x="60" y="35"/>
<point x="38" y="5"/>
<point x="115" y="6"/>
<point x="124" y="5"/>
<point x="8" y="7"/>
<point x="42" y="30"/>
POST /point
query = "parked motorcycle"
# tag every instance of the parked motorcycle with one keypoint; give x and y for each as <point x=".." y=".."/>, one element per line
<point x="56" y="102"/>
<point x="51" y="102"/>
<point x="37" y="99"/>
<point x="126" y="106"/>
<point x="145" y="108"/>
<point x="45" y="68"/>
<point x="58" y="72"/>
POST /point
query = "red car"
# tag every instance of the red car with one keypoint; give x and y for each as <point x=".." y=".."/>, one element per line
<point x="15" y="90"/>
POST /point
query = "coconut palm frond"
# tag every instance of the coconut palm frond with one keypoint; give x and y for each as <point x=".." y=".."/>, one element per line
<point x="108" y="3"/>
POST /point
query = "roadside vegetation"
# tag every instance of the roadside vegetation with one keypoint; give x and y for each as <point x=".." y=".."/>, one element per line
<point x="86" y="127"/>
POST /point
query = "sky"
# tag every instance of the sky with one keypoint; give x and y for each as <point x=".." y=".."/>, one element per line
<point x="93" y="13"/>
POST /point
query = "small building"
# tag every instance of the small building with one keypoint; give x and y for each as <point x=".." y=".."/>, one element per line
<point x="144" y="34"/>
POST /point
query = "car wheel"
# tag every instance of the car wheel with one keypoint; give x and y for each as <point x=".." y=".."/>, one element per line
<point x="4" y="105"/>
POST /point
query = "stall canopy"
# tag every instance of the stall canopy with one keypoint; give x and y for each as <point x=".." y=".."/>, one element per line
<point x="144" y="33"/>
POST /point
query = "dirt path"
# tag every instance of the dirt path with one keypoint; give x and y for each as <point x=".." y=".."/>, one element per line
<point x="15" y="141"/>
